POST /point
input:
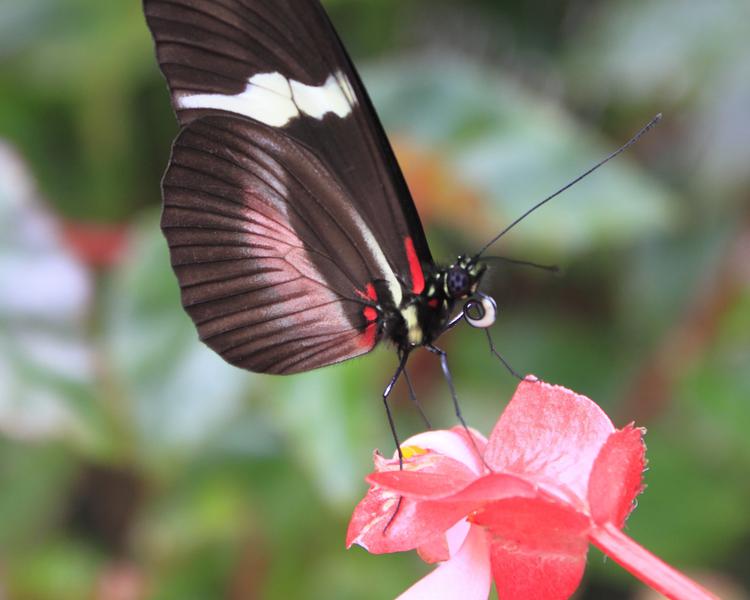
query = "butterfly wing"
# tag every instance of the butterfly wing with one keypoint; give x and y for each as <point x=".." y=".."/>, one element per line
<point x="287" y="216"/>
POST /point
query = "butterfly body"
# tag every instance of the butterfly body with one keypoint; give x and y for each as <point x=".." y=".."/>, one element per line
<point x="424" y="316"/>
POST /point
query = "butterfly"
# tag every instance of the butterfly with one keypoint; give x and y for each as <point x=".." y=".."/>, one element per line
<point x="291" y="230"/>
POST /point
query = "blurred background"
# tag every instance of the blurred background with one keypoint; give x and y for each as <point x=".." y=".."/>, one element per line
<point x="134" y="464"/>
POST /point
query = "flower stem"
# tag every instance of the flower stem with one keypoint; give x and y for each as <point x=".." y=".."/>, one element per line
<point x="644" y="565"/>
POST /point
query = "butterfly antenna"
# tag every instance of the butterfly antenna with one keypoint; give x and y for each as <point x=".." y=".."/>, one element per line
<point x="525" y="263"/>
<point x="601" y="163"/>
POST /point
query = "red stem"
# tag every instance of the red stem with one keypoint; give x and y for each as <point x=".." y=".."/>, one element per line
<point x="644" y="565"/>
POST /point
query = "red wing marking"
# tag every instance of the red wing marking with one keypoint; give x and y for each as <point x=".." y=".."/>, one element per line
<point x="417" y="277"/>
<point x="369" y="293"/>
<point x="433" y="303"/>
<point x="369" y="336"/>
<point x="370" y="312"/>
<point x="371" y="315"/>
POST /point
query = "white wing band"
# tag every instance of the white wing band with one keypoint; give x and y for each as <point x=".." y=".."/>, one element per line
<point x="275" y="100"/>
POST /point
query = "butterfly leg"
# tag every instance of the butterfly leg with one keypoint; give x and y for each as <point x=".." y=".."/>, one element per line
<point x="499" y="356"/>
<point x="453" y="322"/>
<point x="386" y="393"/>
<point x="415" y="401"/>
<point x="449" y="378"/>
<point x="404" y="356"/>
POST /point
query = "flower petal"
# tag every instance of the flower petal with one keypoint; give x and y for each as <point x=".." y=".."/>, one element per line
<point x="455" y="444"/>
<point x="428" y="487"/>
<point x="551" y="434"/>
<point x="389" y="519"/>
<point x="495" y="486"/>
<point x="538" y="549"/>
<point x="435" y="551"/>
<point x="465" y="576"/>
<point x="419" y="522"/>
<point x="426" y="476"/>
<point x="617" y="476"/>
<point x="540" y="576"/>
<point x="445" y="545"/>
<point x="536" y="525"/>
<point x="374" y="526"/>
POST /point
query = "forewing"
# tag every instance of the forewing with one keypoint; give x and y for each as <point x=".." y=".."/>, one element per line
<point x="280" y="63"/>
<point x="272" y="261"/>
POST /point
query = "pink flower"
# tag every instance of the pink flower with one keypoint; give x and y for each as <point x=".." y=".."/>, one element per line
<point x="520" y="508"/>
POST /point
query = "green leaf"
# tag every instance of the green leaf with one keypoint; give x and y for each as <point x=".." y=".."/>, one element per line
<point x="174" y="392"/>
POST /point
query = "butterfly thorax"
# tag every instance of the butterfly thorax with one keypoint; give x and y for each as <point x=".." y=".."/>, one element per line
<point x="422" y="318"/>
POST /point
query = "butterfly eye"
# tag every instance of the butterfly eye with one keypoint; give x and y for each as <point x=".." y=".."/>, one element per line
<point x="458" y="283"/>
<point x="480" y="312"/>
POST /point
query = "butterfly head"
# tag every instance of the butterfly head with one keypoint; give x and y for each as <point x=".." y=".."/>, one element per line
<point x="461" y="282"/>
<point x="462" y="278"/>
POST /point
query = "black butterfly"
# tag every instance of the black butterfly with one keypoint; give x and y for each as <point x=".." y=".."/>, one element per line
<point x="292" y="232"/>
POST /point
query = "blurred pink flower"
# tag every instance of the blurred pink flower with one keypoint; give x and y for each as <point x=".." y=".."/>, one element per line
<point x="520" y="508"/>
<point x="97" y="245"/>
